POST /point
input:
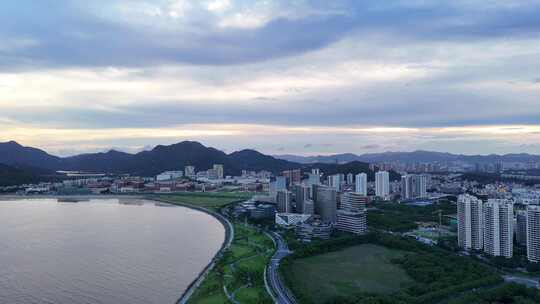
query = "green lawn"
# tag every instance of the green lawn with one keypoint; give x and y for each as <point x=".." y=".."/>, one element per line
<point x="210" y="291"/>
<point x="362" y="268"/>
<point x="241" y="251"/>
<point x="211" y="200"/>
<point x="250" y="295"/>
<point x="249" y="252"/>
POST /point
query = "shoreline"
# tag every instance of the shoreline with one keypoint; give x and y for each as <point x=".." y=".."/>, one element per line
<point x="196" y="282"/>
<point x="5" y="197"/>
<point x="229" y="236"/>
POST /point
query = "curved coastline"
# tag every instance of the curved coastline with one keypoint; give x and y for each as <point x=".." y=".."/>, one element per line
<point x="227" y="225"/>
<point x="229" y="236"/>
<point x="197" y="275"/>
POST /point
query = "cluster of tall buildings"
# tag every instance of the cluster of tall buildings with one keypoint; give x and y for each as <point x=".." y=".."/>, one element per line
<point x="327" y="204"/>
<point x="489" y="226"/>
<point x="293" y="176"/>
<point x="359" y="183"/>
<point x="456" y="166"/>
<point x="418" y="167"/>
<point x="216" y="172"/>
<point x="413" y="186"/>
<point x="341" y="199"/>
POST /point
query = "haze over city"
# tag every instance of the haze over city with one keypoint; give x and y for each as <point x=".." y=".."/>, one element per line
<point x="302" y="77"/>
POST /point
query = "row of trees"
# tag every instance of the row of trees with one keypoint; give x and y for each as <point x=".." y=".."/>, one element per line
<point x="505" y="293"/>
<point x="518" y="260"/>
<point x="402" y="217"/>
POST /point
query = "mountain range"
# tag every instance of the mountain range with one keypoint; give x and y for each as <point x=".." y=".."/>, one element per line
<point x="146" y="163"/>
<point x="20" y="164"/>
<point x="409" y="157"/>
<point x="15" y="175"/>
<point x="28" y="164"/>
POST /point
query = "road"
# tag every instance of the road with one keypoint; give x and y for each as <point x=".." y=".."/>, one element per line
<point x="280" y="293"/>
<point x="529" y="282"/>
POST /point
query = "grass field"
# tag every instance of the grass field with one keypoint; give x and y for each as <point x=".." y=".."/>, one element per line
<point x="362" y="268"/>
<point x="211" y="200"/>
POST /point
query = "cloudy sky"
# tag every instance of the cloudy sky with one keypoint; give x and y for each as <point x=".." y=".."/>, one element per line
<point x="280" y="76"/>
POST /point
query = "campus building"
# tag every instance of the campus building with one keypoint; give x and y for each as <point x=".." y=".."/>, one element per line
<point x="301" y="194"/>
<point x="325" y="199"/>
<point x="352" y="221"/>
<point x="353" y="201"/>
<point x="352" y="217"/>
<point x="314" y="230"/>
<point x="169" y="175"/>
<point x="283" y="200"/>
<point x="291" y="219"/>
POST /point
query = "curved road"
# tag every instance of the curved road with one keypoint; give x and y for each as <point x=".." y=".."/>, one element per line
<point x="529" y="282"/>
<point x="279" y="291"/>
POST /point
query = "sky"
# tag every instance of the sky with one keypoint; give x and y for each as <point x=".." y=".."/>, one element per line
<point x="280" y="76"/>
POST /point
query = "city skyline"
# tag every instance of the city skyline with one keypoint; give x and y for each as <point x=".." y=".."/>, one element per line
<point x="457" y="77"/>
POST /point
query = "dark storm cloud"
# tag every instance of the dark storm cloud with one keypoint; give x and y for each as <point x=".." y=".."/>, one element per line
<point x="64" y="38"/>
<point x="63" y="34"/>
<point x="371" y="147"/>
<point x="390" y="106"/>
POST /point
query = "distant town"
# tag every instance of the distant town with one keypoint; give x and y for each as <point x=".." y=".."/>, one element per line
<point x="491" y="213"/>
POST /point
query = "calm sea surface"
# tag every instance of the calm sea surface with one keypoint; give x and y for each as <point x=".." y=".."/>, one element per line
<point x="101" y="251"/>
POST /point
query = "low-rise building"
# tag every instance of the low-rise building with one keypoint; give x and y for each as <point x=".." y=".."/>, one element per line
<point x="169" y="175"/>
<point x="262" y="211"/>
<point x="352" y="221"/>
<point x="314" y="230"/>
<point x="291" y="219"/>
